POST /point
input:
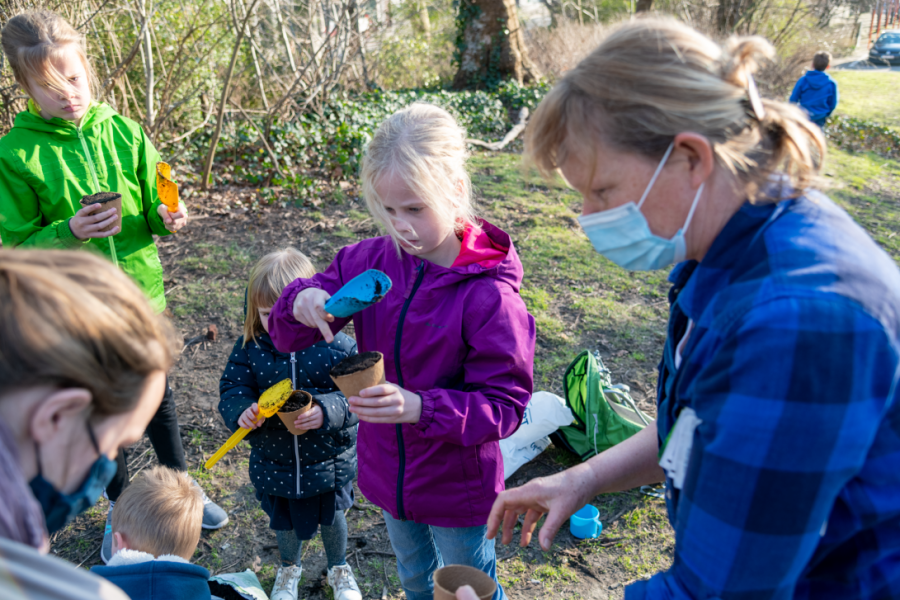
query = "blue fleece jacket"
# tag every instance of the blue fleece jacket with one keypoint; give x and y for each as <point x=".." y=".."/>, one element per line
<point x="817" y="93"/>
<point x="159" y="580"/>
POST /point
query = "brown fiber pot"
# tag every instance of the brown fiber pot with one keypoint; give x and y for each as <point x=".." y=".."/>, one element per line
<point x="288" y="418"/>
<point x="452" y="577"/>
<point x="108" y="200"/>
<point x="352" y="381"/>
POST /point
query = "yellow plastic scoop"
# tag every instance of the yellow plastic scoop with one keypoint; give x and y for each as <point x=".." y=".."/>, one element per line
<point x="165" y="187"/>
<point x="269" y="404"/>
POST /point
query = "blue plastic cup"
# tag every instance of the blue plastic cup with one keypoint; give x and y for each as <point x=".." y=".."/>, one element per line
<point x="586" y="523"/>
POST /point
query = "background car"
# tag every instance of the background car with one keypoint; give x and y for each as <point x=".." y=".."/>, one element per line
<point x="886" y="49"/>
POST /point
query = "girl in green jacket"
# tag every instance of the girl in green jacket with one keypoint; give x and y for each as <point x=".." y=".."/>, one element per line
<point x="67" y="146"/>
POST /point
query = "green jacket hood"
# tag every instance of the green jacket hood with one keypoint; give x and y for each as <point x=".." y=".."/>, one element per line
<point x="31" y="119"/>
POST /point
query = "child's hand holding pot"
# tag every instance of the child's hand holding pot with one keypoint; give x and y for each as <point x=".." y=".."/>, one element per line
<point x="309" y="309"/>
<point x="387" y="403"/>
<point x="90" y="221"/>
<point x="247" y="420"/>
<point x="311" y="419"/>
<point x="173" y="221"/>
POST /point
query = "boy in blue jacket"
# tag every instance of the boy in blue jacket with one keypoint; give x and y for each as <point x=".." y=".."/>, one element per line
<point x="816" y="92"/>
<point x="156" y="528"/>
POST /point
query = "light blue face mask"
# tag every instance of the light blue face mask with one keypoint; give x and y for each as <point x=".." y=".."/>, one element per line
<point x="623" y="235"/>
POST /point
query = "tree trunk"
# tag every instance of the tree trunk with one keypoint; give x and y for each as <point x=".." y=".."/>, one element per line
<point x="490" y="45"/>
<point x="643" y="6"/>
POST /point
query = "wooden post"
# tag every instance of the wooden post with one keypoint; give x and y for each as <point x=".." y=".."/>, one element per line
<point x="872" y="26"/>
<point x="878" y="22"/>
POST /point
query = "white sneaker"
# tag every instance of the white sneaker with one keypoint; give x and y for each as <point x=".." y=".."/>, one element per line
<point x="286" y="583"/>
<point x="343" y="584"/>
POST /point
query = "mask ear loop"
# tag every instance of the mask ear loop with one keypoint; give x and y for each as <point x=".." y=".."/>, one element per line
<point x="90" y="431"/>
<point x="662" y="163"/>
<point x="693" y="208"/>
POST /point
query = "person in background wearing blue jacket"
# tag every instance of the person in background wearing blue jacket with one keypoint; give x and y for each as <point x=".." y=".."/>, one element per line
<point x="156" y="528"/>
<point x="816" y="92"/>
<point x="302" y="481"/>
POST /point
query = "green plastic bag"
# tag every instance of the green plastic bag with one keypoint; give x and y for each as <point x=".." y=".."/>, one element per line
<point x="605" y="414"/>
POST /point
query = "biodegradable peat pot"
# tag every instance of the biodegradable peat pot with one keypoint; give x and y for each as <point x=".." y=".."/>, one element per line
<point x="108" y="200"/>
<point x="298" y="403"/>
<point x="450" y="578"/>
<point x="359" y="372"/>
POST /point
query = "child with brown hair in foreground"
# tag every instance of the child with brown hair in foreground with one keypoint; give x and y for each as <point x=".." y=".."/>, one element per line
<point x="156" y="528"/>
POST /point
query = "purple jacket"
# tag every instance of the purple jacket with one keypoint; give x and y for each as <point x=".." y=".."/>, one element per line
<point x="461" y="338"/>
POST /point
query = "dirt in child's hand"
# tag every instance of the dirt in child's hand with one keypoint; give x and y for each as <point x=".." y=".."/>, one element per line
<point x="101" y="198"/>
<point x="296" y="401"/>
<point x="357" y="363"/>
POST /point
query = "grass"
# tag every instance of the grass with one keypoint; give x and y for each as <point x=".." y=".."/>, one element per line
<point x="868" y="187"/>
<point x="869" y="95"/>
<point x="579" y="299"/>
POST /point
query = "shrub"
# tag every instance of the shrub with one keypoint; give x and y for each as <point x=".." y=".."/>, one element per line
<point x="859" y="135"/>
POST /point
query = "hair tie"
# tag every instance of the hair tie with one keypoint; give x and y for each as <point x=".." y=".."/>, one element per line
<point x="755" y="100"/>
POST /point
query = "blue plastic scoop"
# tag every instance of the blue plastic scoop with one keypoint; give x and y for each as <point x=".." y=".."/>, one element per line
<point x="361" y="292"/>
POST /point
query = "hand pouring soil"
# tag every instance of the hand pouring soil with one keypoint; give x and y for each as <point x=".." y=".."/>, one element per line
<point x="269" y="404"/>
<point x="361" y="292"/>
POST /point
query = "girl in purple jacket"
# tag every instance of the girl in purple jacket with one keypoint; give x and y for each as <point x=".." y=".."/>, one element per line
<point x="457" y="340"/>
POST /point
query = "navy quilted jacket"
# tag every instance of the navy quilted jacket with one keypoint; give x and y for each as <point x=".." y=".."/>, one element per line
<point x="283" y="464"/>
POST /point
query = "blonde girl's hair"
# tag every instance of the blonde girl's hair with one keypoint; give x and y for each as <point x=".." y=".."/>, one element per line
<point x="650" y="80"/>
<point x="70" y="319"/>
<point x="33" y="39"/>
<point x="160" y="512"/>
<point x="268" y="278"/>
<point x="425" y="147"/>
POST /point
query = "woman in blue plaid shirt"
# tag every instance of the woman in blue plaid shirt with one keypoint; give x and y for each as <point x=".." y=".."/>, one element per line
<point x="778" y="430"/>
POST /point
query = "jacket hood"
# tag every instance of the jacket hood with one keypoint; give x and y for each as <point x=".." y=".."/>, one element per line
<point x="817" y="79"/>
<point x="507" y="270"/>
<point x="157" y="579"/>
<point x="31" y="119"/>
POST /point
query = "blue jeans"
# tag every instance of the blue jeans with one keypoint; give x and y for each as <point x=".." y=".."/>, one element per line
<point x="422" y="549"/>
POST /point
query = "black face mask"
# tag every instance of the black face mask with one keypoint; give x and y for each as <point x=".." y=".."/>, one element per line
<point x="61" y="508"/>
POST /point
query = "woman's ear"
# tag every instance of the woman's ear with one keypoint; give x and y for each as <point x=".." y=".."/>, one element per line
<point x="700" y="156"/>
<point x="55" y="413"/>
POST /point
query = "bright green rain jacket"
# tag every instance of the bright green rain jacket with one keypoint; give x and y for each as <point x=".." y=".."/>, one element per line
<point x="47" y="166"/>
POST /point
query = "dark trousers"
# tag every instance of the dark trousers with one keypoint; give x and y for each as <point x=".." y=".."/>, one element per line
<point x="166" y="439"/>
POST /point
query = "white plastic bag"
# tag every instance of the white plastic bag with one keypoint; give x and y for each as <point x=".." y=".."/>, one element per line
<point x="544" y="414"/>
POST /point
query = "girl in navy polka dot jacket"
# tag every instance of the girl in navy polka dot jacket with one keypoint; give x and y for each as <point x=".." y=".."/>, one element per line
<point x="301" y="481"/>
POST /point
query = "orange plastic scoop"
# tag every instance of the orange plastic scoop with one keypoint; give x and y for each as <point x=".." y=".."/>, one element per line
<point x="269" y="404"/>
<point x="165" y="187"/>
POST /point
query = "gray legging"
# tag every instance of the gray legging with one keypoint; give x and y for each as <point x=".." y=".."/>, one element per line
<point x="334" y="538"/>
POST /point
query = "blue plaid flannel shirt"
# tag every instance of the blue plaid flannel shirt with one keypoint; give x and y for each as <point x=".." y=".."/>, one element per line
<point x="793" y="481"/>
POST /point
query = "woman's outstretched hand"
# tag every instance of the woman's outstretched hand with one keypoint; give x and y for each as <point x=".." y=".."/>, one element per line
<point x="627" y="465"/>
<point x="309" y="309"/>
<point x="387" y="403"/>
<point x="557" y="496"/>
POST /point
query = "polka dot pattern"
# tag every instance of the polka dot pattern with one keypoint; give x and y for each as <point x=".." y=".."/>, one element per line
<point x="283" y="464"/>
